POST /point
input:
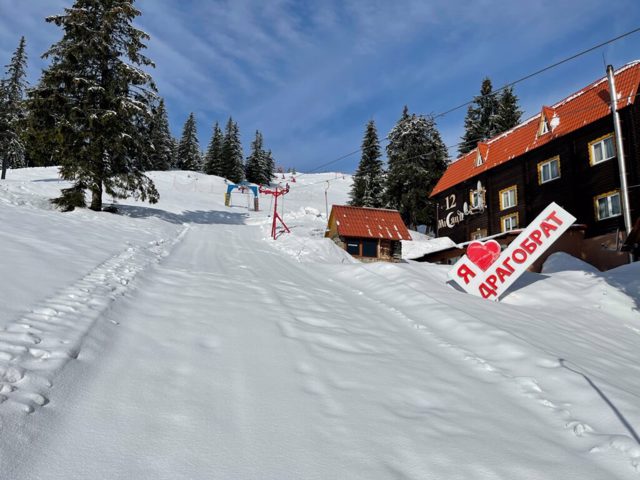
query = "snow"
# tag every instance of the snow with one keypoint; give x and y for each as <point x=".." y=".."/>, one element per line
<point x="179" y="341"/>
<point x="422" y="244"/>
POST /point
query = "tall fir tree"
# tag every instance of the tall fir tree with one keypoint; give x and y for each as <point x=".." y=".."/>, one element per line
<point x="232" y="166"/>
<point x="509" y="112"/>
<point x="258" y="162"/>
<point x="213" y="157"/>
<point x="417" y="158"/>
<point x="161" y="140"/>
<point x="189" y="148"/>
<point x="480" y="123"/>
<point x="92" y="101"/>
<point x="368" y="181"/>
<point x="12" y="111"/>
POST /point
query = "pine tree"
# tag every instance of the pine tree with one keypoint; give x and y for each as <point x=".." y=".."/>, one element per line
<point x="232" y="167"/>
<point x="161" y="155"/>
<point x="91" y="102"/>
<point x="269" y="167"/>
<point x="480" y="123"/>
<point x="509" y="112"/>
<point x="258" y="163"/>
<point x="368" y="181"/>
<point x="175" y="147"/>
<point x="417" y="158"/>
<point x="213" y="157"/>
<point x="189" y="148"/>
<point x="12" y="111"/>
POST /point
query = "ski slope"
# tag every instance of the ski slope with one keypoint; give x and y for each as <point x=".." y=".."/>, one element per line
<point x="178" y="341"/>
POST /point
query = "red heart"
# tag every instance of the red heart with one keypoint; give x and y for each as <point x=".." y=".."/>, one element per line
<point x="483" y="254"/>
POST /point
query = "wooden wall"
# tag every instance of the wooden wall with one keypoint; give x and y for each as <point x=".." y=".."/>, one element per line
<point x="575" y="190"/>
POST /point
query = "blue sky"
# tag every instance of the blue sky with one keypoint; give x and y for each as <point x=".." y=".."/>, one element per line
<point x="310" y="74"/>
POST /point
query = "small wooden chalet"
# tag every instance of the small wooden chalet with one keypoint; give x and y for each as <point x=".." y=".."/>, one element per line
<point x="369" y="234"/>
<point x="566" y="154"/>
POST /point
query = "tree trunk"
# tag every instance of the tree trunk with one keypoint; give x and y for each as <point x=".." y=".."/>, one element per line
<point x="4" y="167"/>
<point x="96" y="196"/>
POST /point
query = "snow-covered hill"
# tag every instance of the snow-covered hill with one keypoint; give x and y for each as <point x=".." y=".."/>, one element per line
<point x="178" y="340"/>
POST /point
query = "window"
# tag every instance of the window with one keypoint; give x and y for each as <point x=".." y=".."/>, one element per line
<point x="353" y="247"/>
<point x="544" y="127"/>
<point x="608" y="205"/>
<point x="602" y="149"/>
<point x="476" y="198"/>
<point x="508" y="197"/>
<point x="362" y="247"/>
<point x="479" y="234"/>
<point x="510" y="222"/>
<point x="548" y="170"/>
<point x="479" y="160"/>
<point x="369" y="248"/>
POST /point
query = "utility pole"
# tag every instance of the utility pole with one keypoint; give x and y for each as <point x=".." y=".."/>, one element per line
<point x="624" y="190"/>
<point x="326" y="200"/>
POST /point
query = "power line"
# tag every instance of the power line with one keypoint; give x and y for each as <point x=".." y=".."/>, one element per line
<point x="542" y="70"/>
<point x="454" y="145"/>
<point x="526" y="77"/>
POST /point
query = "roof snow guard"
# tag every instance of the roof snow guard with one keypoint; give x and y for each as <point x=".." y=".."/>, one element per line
<point x="369" y="223"/>
<point x="577" y="110"/>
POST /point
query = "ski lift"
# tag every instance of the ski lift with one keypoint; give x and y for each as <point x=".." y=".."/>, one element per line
<point x="243" y="187"/>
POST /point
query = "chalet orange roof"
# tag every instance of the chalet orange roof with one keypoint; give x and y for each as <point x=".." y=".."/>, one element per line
<point x="368" y="223"/>
<point x="577" y="110"/>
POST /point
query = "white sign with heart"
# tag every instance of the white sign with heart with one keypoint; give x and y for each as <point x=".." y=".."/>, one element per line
<point x="486" y="272"/>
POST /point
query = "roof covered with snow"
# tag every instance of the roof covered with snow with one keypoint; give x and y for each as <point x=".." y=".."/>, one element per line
<point x="369" y="223"/>
<point x="577" y="110"/>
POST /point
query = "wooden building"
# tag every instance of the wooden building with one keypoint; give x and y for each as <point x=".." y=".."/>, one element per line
<point x="369" y="234"/>
<point x="566" y="154"/>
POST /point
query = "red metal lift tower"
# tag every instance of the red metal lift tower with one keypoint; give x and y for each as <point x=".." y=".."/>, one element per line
<point x="279" y="191"/>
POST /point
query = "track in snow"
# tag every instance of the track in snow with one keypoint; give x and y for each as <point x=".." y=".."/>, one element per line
<point x="37" y="346"/>
<point x="234" y="361"/>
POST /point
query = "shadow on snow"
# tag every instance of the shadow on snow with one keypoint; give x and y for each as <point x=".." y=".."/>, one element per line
<point x="201" y="217"/>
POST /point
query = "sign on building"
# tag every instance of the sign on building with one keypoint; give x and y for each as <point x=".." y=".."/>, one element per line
<point x="486" y="272"/>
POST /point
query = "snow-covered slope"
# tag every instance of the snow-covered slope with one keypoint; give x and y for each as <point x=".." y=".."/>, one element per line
<point x="179" y="341"/>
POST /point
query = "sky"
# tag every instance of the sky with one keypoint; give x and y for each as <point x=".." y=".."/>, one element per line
<point x="310" y="74"/>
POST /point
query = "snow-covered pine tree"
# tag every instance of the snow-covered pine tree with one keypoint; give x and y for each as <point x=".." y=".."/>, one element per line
<point x="417" y="158"/>
<point x="269" y="167"/>
<point x="509" y="112"/>
<point x="175" y="146"/>
<point x="213" y="157"/>
<point x="368" y="181"/>
<point x="189" y="148"/>
<point x="258" y="163"/>
<point x="160" y="136"/>
<point x="232" y="166"/>
<point x="480" y="123"/>
<point x="92" y="100"/>
<point x="12" y="111"/>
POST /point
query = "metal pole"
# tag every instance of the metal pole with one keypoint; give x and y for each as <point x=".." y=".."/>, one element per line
<point x="275" y="214"/>
<point x="624" y="191"/>
<point x="326" y="200"/>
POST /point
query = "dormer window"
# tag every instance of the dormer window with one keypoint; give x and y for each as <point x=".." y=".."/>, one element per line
<point x="481" y="153"/>
<point x="548" y="121"/>
<point x="544" y="127"/>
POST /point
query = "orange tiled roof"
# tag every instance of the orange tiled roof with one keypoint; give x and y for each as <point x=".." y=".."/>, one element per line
<point x="577" y="110"/>
<point x="369" y="223"/>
